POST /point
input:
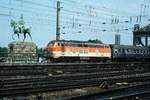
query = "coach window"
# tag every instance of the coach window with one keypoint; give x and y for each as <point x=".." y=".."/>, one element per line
<point x="144" y="51"/>
<point x="119" y="50"/>
<point x="115" y="50"/>
<point x="137" y="51"/>
<point x="141" y="51"/>
<point x="147" y="51"/>
<point x="128" y="50"/>
<point x="123" y="50"/>
<point x="134" y="51"/>
<point x="131" y="51"/>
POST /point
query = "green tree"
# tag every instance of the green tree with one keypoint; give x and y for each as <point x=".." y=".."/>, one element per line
<point x="95" y="41"/>
<point x="3" y="52"/>
<point x="40" y="52"/>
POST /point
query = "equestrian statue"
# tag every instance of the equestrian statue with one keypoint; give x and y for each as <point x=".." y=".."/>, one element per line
<point x="19" y="28"/>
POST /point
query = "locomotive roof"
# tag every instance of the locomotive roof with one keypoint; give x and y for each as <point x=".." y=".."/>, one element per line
<point x="78" y="42"/>
<point x="129" y="46"/>
<point x="74" y="41"/>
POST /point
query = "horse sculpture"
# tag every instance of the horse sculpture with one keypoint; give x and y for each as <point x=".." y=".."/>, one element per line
<point x="19" y="28"/>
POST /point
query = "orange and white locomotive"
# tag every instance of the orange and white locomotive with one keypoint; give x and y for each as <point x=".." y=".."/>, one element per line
<point x="74" y="51"/>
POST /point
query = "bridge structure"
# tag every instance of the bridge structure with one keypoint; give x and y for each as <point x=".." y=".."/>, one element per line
<point x="141" y="35"/>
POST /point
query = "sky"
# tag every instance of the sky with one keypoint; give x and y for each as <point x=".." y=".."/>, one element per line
<point x="79" y="19"/>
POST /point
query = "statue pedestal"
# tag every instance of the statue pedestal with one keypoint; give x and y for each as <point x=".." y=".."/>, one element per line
<point x="22" y="52"/>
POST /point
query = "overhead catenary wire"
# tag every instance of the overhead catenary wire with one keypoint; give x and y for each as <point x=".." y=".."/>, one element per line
<point x="98" y="21"/>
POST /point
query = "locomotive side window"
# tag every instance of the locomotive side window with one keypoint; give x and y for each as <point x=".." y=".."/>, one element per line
<point x="65" y="44"/>
<point x="85" y="51"/>
<point x="85" y="45"/>
<point x="80" y="45"/>
<point x="62" y="44"/>
<point x="81" y="51"/>
<point x="74" y="51"/>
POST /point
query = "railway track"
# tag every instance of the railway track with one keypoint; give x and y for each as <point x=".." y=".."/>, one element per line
<point x="116" y="93"/>
<point x="52" y="69"/>
<point x="44" y="85"/>
<point x="56" y="77"/>
<point x="74" y="76"/>
<point x="120" y="65"/>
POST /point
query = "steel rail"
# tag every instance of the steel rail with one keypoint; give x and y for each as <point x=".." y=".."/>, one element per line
<point x="69" y="84"/>
<point x="71" y="77"/>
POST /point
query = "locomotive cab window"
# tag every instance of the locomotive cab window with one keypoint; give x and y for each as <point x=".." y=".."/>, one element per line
<point x="58" y="44"/>
<point x="62" y="43"/>
<point x="55" y="44"/>
<point x="51" y="44"/>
